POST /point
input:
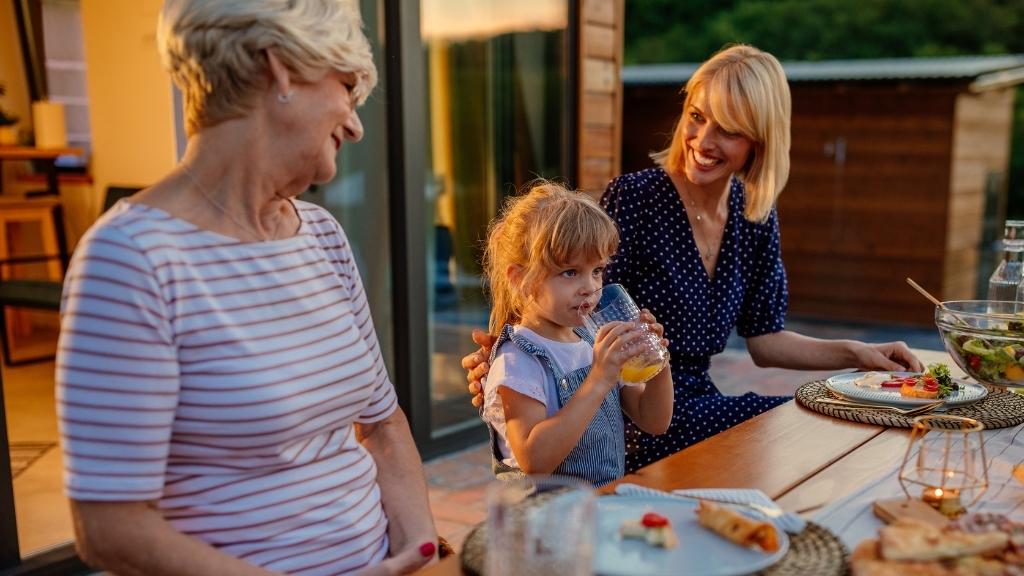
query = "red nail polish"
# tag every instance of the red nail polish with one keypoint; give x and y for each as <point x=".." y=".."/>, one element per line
<point x="427" y="550"/>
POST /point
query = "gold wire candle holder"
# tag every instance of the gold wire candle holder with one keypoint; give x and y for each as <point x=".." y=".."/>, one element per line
<point x="945" y="464"/>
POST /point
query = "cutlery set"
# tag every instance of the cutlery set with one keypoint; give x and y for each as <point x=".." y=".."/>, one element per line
<point x="748" y="499"/>
<point x="915" y="411"/>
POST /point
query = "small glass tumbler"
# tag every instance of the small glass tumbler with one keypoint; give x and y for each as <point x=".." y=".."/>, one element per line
<point x="615" y="305"/>
<point x="540" y="525"/>
<point x="945" y="463"/>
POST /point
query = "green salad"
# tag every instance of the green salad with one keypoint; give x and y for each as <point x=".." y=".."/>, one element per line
<point x="992" y="360"/>
<point x="941" y="374"/>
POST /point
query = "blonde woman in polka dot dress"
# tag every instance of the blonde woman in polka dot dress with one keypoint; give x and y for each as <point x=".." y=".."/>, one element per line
<point x="700" y="249"/>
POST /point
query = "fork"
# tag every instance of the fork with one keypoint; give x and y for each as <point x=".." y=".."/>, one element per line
<point x="922" y="409"/>
<point x="637" y="490"/>
<point x="785" y="520"/>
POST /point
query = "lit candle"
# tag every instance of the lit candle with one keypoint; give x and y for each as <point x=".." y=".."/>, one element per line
<point x="945" y="500"/>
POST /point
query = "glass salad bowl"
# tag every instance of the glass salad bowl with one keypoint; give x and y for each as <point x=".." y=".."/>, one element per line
<point x="985" y="339"/>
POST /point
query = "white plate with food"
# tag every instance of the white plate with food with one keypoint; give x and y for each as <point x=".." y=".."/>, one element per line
<point x="901" y="389"/>
<point x="627" y="545"/>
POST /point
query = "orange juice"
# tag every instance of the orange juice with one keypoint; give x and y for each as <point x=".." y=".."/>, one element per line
<point x="637" y="370"/>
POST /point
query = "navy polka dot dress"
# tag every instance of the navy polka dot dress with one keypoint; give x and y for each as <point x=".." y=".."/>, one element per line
<point x="659" y="264"/>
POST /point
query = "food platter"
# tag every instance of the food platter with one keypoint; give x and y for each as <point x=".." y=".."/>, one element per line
<point x="846" y="386"/>
<point x="700" y="552"/>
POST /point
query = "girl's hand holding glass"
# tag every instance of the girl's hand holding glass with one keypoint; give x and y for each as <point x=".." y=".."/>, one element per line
<point x="651" y="354"/>
<point x="652" y="323"/>
<point x="614" y="345"/>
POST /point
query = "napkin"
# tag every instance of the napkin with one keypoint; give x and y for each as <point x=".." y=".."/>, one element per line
<point x="787" y="521"/>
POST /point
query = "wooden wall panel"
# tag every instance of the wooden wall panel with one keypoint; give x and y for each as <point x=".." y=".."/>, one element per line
<point x="600" y="140"/>
<point x="600" y="76"/>
<point x="649" y="116"/>
<point x="860" y="287"/>
<point x="964" y="221"/>
<point x="981" y="147"/>
<point x="904" y="198"/>
<point x="866" y="200"/>
<point x="600" y="41"/>
<point x="598" y="110"/>
<point x="600" y="93"/>
<point x="960" y="286"/>
<point x="604" y="12"/>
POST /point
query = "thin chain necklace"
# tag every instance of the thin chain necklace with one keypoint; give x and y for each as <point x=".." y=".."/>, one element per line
<point x="245" y="226"/>
<point x="698" y="227"/>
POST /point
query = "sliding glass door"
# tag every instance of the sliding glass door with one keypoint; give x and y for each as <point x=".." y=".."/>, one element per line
<point x="496" y="100"/>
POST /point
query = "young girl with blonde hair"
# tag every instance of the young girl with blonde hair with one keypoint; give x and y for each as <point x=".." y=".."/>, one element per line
<point x="553" y="400"/>
<point x="701" y="248"/>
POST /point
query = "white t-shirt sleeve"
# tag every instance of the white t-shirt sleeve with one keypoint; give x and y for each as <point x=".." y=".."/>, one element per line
<point x="117" y="372"/>
<point x="519" y="371"/>
<point x="384" y="400"/>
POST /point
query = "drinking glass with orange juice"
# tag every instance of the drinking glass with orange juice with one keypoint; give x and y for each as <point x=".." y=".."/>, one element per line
<point x="615" y="305"/>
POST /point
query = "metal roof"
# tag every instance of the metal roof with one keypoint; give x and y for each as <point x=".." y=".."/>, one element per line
<point x="985" y="72"/>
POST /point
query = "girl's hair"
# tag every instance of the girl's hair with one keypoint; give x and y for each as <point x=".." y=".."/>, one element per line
<point x="747" y="92"/>
<point x="540" y="231"/>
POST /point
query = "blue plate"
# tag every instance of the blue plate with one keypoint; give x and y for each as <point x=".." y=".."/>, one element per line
<point x="700" y="552"/>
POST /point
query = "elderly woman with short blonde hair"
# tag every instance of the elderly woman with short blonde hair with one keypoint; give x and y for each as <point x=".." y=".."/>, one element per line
<point x="223" y="403"/>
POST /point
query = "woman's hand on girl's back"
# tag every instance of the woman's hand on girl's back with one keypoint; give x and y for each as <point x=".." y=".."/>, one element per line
<point x="615" y="344"/>
<point x="476" y="365"/>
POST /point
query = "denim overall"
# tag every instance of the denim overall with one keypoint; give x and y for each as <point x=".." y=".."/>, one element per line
<point x="600" y="455"/>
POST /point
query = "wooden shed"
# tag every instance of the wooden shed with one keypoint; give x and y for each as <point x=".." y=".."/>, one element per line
<point x="898" y="165"/>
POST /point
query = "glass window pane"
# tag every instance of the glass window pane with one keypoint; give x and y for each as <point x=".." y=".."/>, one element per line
<point x="42" y="510"/>
<point x="358" y="196"/>
<point x="496" y="98"/>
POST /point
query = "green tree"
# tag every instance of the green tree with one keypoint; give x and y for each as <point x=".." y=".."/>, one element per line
<point x="691" y="30"/>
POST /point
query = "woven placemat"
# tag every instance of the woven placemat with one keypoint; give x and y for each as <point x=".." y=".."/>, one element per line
<point x="474" y="551"/>
<point x="816" y="550"/>
<point x="1000" y="409"/>
<point x="813" y="551"/>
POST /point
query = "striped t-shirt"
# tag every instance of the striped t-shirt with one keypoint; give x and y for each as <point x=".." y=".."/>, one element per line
<point x="221" y="379"/>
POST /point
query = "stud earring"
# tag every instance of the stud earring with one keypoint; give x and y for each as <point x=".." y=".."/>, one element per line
<point x="285" y="98"/>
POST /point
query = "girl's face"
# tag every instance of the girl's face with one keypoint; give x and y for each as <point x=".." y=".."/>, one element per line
<point x="712" y="153"/>
<point x="563" y="297"/>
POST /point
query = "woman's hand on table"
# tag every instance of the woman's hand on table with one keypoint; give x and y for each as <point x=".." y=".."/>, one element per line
<point x="788" y="349"/>
<point x="892" y="356"/>
<point x="477" y="366"/>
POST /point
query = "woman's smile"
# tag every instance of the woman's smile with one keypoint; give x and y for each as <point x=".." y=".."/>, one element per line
<point x="705" y="161"/>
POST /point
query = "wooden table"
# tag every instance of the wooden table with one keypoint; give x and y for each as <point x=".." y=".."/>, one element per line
<point x="47" y="155"/>
<point x="800" y="458"/>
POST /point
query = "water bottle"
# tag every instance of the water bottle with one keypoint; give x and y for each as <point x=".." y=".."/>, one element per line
<point x="1004" y="284"/>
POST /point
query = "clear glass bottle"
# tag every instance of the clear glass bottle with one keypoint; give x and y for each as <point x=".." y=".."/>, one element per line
<point x="1004" y="284"/>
